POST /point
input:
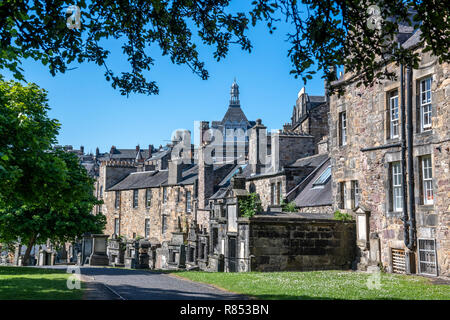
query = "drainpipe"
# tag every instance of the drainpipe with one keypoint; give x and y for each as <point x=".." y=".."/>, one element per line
<point x="403" y="157"/>
<point x="411" y="204"/>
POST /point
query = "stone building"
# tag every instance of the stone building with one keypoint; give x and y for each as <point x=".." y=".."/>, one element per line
<point x="366" y="159"/>
<point x="233" y="129"/>
<point x="189" y="213"/>
<point x="294" y="156"/>
<point x="310" y="115"/>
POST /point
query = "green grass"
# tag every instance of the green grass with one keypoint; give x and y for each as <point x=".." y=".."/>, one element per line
<point x="24" y="283"/>
<point x="322" y="285"/>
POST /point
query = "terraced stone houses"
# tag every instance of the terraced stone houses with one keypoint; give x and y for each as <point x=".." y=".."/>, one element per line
<point x="366" y="158"/>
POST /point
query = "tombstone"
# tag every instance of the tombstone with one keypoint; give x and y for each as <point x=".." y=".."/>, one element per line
<point x="131" y="254"/>
<point x="116" y="252"/>
<point x="99" y="256"/>
<point x="177" y="249"/>
<point x="154" y="245"/>
<point x="162" y="256"/>
<point x="86" y="248"/>
<point x="375" y="252"/>
<point x="143" y="256"/>
<point x="191" y="249"/>
<point x="17" y="251"/>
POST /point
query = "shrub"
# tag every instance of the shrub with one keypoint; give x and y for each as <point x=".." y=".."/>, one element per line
<point x="288" y="207"/>
<point x="342" y="216"/>
<point x="250" y="205"/>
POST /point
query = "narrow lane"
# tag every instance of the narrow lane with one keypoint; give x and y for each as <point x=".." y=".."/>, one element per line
<point x="146" y="285"/>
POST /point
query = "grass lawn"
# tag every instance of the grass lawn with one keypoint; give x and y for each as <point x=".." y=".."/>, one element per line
<point x="322" y="285"/>
<point x="34" y="283"/>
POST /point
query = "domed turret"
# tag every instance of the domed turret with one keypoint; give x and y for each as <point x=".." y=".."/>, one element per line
<point x="234" y="94"/>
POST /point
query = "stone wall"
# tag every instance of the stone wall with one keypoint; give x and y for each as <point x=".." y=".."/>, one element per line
<point x="367" y="112"/>
<point x="316" y="209"/>
<point x="316" y="124"/>
<point x="290" y="243"/>
<point x="262" y="187"/>
<point x="288" y="147"/>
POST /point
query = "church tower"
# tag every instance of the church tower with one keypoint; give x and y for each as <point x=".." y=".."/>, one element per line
<point x="234" y="94"/>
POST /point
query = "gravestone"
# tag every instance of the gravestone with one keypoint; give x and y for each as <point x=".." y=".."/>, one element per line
<point x="99" y="256"/>
<point x="131" y="254"/>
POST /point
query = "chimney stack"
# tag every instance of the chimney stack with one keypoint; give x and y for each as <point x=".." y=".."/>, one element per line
<point x="175" y="171"/>
<point x="204" y="137"/>
<point x="257" y="147"/>
<point x="82" y="149"/>
<point x="238" y="181"/>
<point x="150" y="149"/>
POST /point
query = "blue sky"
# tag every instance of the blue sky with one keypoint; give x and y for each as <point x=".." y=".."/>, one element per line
<point x="93" y="114"/>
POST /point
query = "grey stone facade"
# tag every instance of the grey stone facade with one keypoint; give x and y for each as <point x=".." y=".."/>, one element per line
<point x="368" y="123"/>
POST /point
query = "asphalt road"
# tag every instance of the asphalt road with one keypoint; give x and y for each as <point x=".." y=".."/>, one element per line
<point x="113" y="283"/>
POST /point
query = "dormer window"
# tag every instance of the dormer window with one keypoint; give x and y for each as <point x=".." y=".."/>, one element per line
<point x="324" y="177"/>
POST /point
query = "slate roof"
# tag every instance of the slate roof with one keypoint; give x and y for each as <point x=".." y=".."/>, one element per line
<point x="413" y="40"/>
<point x="220" y="193"/>
<point x="312" y="196"/>
<point x="226" y="180"/>
<point x="130" y="154"/>
<point x="156" y="178"/>
<point x="141" y="180"/>
<point x="311" y="161"/>
<point x="234" y="114"/>
<point x="314" y="101"/>
<point x="159" y="154"/>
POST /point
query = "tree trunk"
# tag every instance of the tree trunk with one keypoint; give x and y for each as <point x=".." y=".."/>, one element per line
<point x="26" y="256"/>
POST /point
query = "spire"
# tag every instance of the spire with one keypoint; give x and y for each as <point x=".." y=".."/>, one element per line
<point x="234" y="94"/>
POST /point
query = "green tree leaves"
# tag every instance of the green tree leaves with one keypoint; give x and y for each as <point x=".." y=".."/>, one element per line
<point x="44" y="193"/>
<point x="323" y="34"/>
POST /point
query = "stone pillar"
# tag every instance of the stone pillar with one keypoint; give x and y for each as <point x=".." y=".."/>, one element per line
<point x="175" y="171"/>
<point x="205" y="177"/>
<point x="257" y="147"/>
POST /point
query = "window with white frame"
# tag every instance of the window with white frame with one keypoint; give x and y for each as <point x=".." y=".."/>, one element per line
<point x="323" y="178"/>
<point x="148" y="198"/>
<point x="164" y="195"/>
<point x="188" y="201"/>
<point x="116" y="226"/>
<point x="147" y="228"/>
<point x="427" y="180"/>
<point x="393" y="115"/>
<point x="425" y="104"/>
<point x="343" y="128"/>
<point x="355" y="193"/>
<point x="397" y="190"/>
<point x="135" y="198"/>
<point x="117" y="200"/>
